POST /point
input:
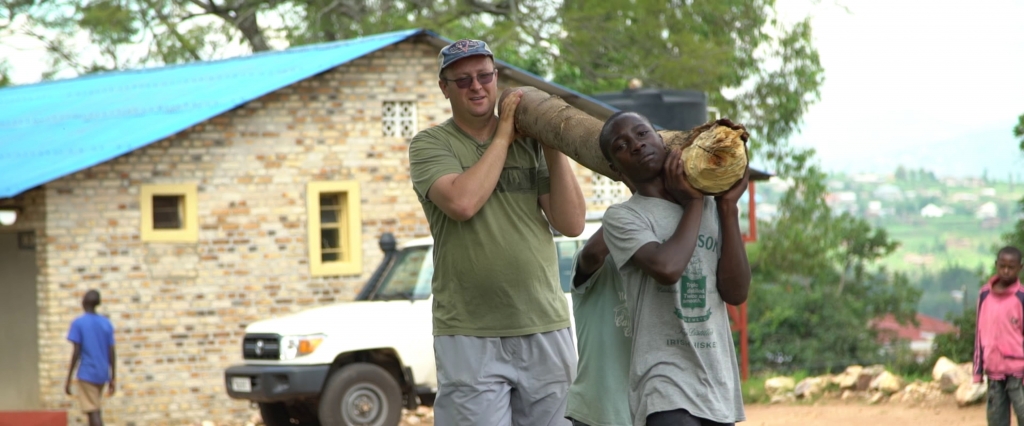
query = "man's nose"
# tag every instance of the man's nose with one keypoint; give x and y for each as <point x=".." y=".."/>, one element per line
<point x="636" y="145"/>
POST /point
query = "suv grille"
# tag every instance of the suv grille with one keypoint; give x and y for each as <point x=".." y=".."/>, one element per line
<point x="261" y="346"/>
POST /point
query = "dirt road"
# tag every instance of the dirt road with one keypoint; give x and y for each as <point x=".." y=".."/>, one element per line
<point x="858" y="413"/>
<point x="838" y="413"/>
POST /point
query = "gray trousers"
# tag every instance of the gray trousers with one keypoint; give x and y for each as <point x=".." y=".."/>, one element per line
<point x="1001" y="395"/>
<point x="504" y="381"/>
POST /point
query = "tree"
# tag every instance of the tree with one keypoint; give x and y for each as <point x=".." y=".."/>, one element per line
<point x="815" y="288"/>
<point x="1016" y="236"/>
<point x="958" y="345"/>
<point x="175" y="31"/>
<point x="1018" y="130"/>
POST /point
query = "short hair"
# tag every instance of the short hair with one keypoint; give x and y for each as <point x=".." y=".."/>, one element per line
<point x="605" y="138"/>
<point x="91" y="298"/>
<point x="1011" y="250"/>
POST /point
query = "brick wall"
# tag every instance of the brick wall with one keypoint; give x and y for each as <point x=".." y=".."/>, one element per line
<point x="180" y="309"/>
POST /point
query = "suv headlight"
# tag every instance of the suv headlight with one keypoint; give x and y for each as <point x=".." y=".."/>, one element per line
<point x="295" y="346"/>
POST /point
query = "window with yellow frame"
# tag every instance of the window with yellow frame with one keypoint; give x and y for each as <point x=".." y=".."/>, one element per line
<point x="169" y="213"/>
<point x="335" y="228"/>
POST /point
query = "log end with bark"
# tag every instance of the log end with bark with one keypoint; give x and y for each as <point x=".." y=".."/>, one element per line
<point x="714" y="153"/>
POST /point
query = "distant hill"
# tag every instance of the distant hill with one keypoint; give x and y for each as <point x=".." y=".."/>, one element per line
<point x="967" y="155"/>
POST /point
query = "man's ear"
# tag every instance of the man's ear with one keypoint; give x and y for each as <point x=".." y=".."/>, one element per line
<point x="443" y="85"/>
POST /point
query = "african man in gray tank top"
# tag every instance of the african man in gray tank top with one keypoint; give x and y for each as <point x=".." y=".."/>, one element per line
<point x="502" y="345"/>
<point x="682" y="259"/>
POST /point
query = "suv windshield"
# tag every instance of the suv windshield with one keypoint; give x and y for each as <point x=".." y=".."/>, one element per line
<point x="410" y="277"/>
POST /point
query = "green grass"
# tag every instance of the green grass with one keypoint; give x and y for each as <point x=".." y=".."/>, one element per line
<point x="931" y="244"/>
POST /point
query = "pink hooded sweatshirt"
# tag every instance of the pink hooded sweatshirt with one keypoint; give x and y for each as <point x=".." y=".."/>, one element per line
<point x="999" y="343"/>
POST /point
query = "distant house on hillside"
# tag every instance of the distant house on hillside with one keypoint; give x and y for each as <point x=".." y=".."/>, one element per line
<point x="988" y="192"/>
<point x="931" y="210"/>
<point x="920" y="337"/>
<point x="867" y="178"/>
<point x="874" y="209"/>
<point x="888" y="192"/>
<point x="964" y="197"/>
<point x="988" y="210"/>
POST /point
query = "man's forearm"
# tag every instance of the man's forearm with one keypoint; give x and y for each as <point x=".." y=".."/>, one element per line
<point x="465" y="195"/>
<point x="567" y="207"/>
<point x="667" y="261"/>
<point x="733" y="268"/>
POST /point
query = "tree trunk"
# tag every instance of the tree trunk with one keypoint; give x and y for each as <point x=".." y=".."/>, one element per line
<point x="553" y="122"/>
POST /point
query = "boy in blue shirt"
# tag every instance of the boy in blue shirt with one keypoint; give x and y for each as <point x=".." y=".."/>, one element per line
<point x="93" y="337"/>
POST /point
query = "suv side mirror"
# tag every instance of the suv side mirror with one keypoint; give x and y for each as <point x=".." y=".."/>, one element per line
<point x="389" y="246"/>
<point x="387" y="243"/>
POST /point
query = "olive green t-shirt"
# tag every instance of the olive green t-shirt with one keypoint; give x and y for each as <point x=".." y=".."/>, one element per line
<point x="495" y="274"/>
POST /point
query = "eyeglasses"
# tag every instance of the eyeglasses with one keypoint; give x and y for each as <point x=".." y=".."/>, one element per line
<point x="465" y="82"/>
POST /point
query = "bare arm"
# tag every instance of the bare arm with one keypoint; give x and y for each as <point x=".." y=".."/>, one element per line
<point x="667" y="261"/>
<point x="75" y="356"/>
<point x="113" y="371"/>
<point x="462" y="195"/>
<point x="733" y="268"/>
<point x="564" y="205"/>
<point x="591" y="258"/>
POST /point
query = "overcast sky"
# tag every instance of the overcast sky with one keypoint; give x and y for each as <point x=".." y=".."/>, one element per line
<point x="922" y="83"/>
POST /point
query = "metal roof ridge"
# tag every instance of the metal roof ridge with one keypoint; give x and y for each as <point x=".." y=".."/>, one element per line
<point x="243" y="57"/>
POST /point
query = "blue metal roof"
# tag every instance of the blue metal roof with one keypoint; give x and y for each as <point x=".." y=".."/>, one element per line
<point x="53" y="129"/>
<point x="49" y="130"/>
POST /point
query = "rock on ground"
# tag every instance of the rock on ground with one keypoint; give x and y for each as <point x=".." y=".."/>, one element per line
<point x="970" y="393"/>
<point x="779" y="385"/>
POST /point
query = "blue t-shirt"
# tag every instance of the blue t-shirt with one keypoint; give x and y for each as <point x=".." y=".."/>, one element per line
<point x="95" y="334"/>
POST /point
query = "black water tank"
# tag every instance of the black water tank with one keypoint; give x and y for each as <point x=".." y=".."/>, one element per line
<point x="669" y="109"/>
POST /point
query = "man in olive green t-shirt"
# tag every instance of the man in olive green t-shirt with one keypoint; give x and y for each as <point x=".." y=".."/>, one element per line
<point x="502" y="343"/>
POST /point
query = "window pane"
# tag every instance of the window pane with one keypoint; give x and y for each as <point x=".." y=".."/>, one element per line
<point x="329" y="238"/>
<point x="328" y="200"/>
<point x="167" y="211"/>
<point x="333" y="236"/>
<point x="328" y="216"/>
<point x="566" y="251"/>
<point x="410" y="276"/>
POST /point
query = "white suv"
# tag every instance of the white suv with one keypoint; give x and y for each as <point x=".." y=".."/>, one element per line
<point x="360" y="362"/>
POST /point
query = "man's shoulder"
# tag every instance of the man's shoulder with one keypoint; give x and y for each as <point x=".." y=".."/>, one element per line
<point x="441" y="132"/>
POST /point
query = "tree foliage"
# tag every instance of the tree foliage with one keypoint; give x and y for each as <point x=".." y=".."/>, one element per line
<point x="1016" y="236"/>
<point x="815" y="287"/>
<point x="958" y="345"/>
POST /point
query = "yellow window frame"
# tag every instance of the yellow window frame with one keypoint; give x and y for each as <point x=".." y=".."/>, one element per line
<point x="349" y="224"/>
<point x="189" y="232"/>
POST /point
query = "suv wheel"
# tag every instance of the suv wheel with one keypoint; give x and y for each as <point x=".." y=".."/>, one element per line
<point x="361" y="394"/>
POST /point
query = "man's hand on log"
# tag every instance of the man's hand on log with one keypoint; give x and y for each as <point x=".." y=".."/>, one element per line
<point x="732" y="195"/>
<point x="676" y="183"/>
<point x="507" y="120"/>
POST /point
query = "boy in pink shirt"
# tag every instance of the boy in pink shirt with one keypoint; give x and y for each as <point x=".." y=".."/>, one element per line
<point x="999" y="341"/>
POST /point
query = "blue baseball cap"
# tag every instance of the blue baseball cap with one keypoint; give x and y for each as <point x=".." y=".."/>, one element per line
<point x="460" y="50"/>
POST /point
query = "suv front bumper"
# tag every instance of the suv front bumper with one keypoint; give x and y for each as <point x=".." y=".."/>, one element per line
<point x="275" y="383"/>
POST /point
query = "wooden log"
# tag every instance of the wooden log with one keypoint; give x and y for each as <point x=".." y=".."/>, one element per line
<point x="555" y="123"/>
